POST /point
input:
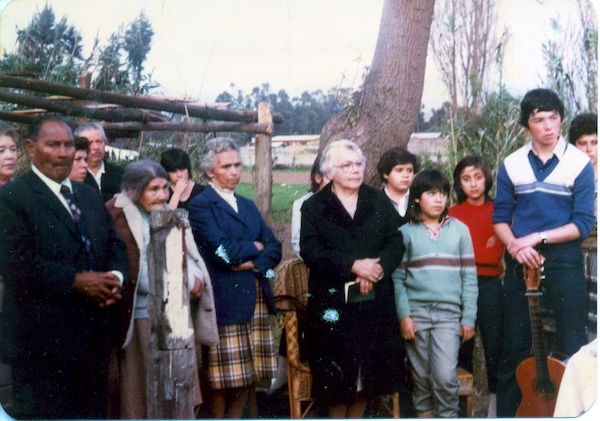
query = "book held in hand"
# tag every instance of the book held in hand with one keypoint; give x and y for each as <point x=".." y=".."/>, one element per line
<point x="352" y="293"/>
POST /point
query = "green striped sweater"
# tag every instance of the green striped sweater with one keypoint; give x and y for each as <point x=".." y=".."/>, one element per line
<point x="437" y="271"/>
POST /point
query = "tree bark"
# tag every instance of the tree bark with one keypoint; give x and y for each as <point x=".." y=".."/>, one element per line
<point x="390" y="101"/>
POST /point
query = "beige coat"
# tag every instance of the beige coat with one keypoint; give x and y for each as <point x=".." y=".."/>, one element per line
<point x="128" y="222"/>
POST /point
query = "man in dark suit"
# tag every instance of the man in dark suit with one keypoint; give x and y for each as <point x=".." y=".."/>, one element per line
<point x="102" y="174"/>
<point x="63" y="265"/>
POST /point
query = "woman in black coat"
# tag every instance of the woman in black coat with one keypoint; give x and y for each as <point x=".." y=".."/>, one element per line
<point x="349" y="237"/>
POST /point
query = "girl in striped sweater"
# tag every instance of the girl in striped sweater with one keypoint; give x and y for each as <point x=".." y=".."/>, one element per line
<point x="436" y="295"/>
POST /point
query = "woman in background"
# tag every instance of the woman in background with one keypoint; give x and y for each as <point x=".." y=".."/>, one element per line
<point x="472" y="184"/>
<point x="80" y="166"/>
<point x="183" y="189"/>
<point x="583" y="133"/>
<point x="9" y="137"/>
<point x="317" y="182"/>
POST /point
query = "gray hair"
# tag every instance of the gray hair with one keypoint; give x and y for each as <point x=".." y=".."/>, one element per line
<point x="215" y="146"/>
<point x="10" y="131"/>
<point x="331" y="152"/>
<point x="138" y="174"/>
<point x="91" y="126"/>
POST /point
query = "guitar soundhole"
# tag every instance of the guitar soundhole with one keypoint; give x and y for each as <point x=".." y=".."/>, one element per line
<point x="545" y="388"/>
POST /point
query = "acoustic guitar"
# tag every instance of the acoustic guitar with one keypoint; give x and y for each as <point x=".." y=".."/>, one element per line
<point x="539" y="376"/>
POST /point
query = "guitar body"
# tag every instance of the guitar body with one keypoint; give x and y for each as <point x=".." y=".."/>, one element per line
<point x="539" y="397"/>
<point x="539" y="376"/>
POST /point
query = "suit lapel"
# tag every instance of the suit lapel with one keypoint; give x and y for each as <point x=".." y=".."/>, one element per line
<point x="108" y="178"/>
<point x="365" y="205"/>
<point x="225" y="207"/>
<point x="243" y="209"/>
<point x="91" y="181"/>
<point x="51" y="202"/>
<point x="86" y="211"/>
<point x="333" y="209"/>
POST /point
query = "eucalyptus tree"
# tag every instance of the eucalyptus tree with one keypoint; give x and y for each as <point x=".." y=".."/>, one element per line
<point x="137" y="42"/>
<point x="465" y="46"/>
<point x="571" y="58"/>
<point x="52" y="49"/>
<point x="48" y="47"/>
<point x="121" y="61"/>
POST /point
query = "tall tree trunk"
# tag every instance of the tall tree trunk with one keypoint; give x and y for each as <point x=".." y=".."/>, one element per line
<point x="390" y="101"/>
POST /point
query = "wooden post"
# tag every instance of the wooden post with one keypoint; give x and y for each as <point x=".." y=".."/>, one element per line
<point x="264" y="165"/>
<point x="171" y="350"/>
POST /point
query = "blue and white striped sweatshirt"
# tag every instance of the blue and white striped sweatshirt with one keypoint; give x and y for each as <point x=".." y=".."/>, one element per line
<point x="559" y="193"/>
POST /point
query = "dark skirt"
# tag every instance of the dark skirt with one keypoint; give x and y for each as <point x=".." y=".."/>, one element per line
<point x="341" y="338"/>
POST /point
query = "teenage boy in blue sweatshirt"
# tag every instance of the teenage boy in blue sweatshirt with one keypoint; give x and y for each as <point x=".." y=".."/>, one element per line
<point x="543" y="209"/>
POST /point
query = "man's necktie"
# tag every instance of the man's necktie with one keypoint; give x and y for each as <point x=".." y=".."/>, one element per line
<point x="76" y="212"/>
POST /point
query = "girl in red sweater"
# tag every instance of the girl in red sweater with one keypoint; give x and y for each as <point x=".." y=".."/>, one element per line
<point x="472" y="184"/>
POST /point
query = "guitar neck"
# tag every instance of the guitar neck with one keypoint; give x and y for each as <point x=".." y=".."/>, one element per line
<point x="540" y="351"/>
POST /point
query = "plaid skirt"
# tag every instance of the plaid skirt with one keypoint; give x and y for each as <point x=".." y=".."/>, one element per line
<point x="246" y="353"/>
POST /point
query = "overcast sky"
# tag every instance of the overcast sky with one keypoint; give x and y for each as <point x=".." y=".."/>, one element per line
<point x="201" y="46"/>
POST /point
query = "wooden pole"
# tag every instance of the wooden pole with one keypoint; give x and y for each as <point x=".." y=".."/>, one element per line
<point x="67" y="108"/>
<point x="264" y="165"/>
<point x="131" y="129"/>
<point x="9" y="81"/>
<point x="217" y="126"/>
<point x="16" y="118"/>
<point x="171" y="349"/>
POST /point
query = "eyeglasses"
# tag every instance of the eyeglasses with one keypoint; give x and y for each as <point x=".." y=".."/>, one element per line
<point x="347" y="167"/>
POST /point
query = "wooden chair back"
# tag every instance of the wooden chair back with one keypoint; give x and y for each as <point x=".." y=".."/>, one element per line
<point x="291" y="289"/>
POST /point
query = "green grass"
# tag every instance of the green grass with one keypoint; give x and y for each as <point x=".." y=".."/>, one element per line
<point x="283" y="198"/>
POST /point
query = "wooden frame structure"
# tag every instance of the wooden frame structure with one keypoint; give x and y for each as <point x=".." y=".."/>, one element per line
<point x="128" y="116"/>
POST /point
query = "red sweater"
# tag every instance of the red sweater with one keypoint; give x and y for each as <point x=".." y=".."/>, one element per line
<point x="488" y="249"/>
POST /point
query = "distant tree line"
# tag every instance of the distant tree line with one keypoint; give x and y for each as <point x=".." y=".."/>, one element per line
<point x="308" y="113"/>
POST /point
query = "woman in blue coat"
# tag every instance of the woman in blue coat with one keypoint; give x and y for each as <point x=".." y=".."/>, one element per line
<point x="241" y="254"/>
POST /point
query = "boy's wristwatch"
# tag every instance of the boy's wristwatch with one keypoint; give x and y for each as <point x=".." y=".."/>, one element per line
<point x="544" y="237"/>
